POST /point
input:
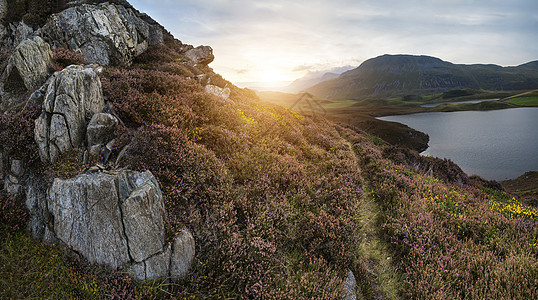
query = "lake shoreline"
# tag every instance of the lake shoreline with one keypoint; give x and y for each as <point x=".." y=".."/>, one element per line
<point x="472" y="149"/>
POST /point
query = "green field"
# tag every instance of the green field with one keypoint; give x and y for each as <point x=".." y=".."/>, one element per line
<point x="524" y="101"/>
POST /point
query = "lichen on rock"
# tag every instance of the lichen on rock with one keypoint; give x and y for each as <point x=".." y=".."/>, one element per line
<point x="105" y="34"/>
<point x="73" y="95"/>
<point x="112" y="219"/>
<point x="28" y="67"/>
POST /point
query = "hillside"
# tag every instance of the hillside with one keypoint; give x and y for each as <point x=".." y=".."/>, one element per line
<point x="132" y="170"/>
<point x="400" y="75"/>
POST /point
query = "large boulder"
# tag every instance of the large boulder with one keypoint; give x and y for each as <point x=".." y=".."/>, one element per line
<point x="28" y="67"/>
<point x="87" y="218"/>
<point x="202" y="55"/>
<point x="105" y="34"/>
<point x="115" y="219"/>
<point x="73" y="95"/>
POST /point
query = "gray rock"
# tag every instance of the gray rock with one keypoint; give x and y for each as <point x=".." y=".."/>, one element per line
<point x="143" y="217"/>
<point x="22" y="33"/>
<point x="182" y="254"/>
<point x="156" y="36"/>
<point x="87" y="218"/>
<point x="154" y="267"/>
<point x="349" y="286"/>
<point x="101" y="129"/>
<point x="73" y="95"/>
<point x="3" y="9"/>
<point x="111" y="219"/>
<point x="159" y="265"/>
<point x="17" y="167"/>
<point x="2" y="167"/>
<point x="28" y="67"/>
<point x="40" y="220"/>
<point x="105" y="34"/>
<point x="4" y="35"/>
<point x="96" y="149"/>
<point x="12" y="186"/>
<point x="224" y="93"/>
<point x="202" y="55"/>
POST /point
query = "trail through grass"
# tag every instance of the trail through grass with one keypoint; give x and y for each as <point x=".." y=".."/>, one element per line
<point x="378" y="279"/>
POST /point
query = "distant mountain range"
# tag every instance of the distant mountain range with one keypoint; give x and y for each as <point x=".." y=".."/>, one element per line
<point x="313" y="78"/>
<point x="400" y="75"/>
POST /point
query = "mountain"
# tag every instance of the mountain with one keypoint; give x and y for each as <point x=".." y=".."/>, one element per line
<point x="313" y="78"/>
<point x="399" y="75"/>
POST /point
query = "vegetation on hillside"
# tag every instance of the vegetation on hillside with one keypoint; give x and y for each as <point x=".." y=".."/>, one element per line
<point x="281" y="205"/>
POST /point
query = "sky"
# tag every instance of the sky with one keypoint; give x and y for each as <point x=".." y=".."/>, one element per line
<point x="273" y="42"/>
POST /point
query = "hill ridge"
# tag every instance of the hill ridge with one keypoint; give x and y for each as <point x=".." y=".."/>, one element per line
<point x="403" y="74"/>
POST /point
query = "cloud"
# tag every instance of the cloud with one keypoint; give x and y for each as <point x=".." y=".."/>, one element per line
<point x="254" y="38"/>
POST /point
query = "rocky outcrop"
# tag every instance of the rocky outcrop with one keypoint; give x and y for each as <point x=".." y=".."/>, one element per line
<point x="28" y="67"/>
<point x="202" y="55"/>
<point x="112" y="219"/>
<point x="105" y="34"/>
<point x="73" y="95"/>
<point x="224" y="93"/>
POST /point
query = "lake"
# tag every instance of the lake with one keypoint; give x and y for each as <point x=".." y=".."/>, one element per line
<point x="499" y="144"/>
<point x="468" y="101"/>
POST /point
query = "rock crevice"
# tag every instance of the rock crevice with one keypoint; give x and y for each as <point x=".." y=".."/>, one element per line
<point x="115" y="220"/>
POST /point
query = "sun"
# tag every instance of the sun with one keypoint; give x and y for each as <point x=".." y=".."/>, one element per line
<point x="271" y="75"/>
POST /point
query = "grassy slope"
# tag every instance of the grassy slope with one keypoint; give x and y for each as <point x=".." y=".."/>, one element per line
<point x="525" y="187"/>
<point x="282" y="205"/>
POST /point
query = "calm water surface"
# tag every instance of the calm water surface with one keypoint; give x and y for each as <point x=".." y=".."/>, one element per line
<point x="499" y="144"/>
<point x="468" y="101"/>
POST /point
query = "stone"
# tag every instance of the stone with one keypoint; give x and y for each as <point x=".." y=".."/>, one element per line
<point x="88" y="219"/>
<point x="3" y="9"/>
<point x="36" y="194"/>
<point x="156" y="36"/>
<point x="143" y="217"/>
<point x="28" y="67"/>
<point x="224" y="93"/>
<point x="154" y="267"/>
<point x="158" y="265"/>
<point x="105" y="33"/>
<point x="350" y="286"/>
<point x="2" y="167"/>
<point x="183" y="251"/>
<point x="111" y="219"/>
<point x="73" y="95"/>
<point x="12" y="186"/>
<point x="22" y="33"/>
<point x="96" y="149"/>
<point x="101" y="129"/>
<point x="202" y="55"/>
<point x="17" y="167"/>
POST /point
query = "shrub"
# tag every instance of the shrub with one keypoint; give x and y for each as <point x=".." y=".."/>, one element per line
<point x="65" y="57"/>
<point x="17" y="132"/>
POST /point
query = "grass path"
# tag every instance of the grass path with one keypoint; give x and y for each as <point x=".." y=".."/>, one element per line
<point x="378" y="279"/>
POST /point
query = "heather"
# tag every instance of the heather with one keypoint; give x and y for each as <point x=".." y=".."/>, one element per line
<point x="281" y="205"/>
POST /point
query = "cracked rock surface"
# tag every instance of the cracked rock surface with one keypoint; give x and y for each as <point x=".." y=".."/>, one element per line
<point x="105" y="34"/>
<point x="28" y="67"/>
<point x="73" y="95"/>
<point x="112" y="219"/>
